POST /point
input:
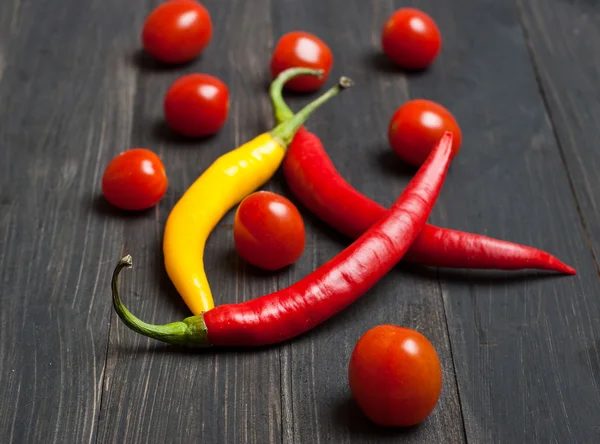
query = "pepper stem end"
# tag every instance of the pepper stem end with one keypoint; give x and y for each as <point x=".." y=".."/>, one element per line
<point x="345" y="82"/>
<point x="190" y="332"/>
<point x="281" y="111"/>
<point x="126" y="261"/>
<point x="286" y="130"/>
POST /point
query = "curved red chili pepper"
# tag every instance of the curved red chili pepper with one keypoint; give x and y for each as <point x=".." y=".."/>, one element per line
<point x="313" y="179"/>
<point x="289" y="312"/>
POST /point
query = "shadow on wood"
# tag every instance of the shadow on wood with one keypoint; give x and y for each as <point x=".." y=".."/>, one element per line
<point x="156" y="347"/>
<point x="474" y="276"/>
<point x="146" y="63"/>
<point x="98" y="204"/>
<point x="230" y="259"/>
<point x="379" y="61"/>
<point x="164" y="133"/>
<point x="391" y="164"/>
<point x="348" y="416"/>
<point x="163" y="281"/>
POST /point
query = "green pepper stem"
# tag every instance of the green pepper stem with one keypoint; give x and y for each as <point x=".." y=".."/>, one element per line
<point x="286" y="130"/>
<point x="190" y="332"/>
<point x="281" y="110"/>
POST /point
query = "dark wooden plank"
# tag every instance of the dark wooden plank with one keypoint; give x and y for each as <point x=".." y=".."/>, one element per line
<point x="155" y="393"/>
<point x="563" y="40"/>
<point x="317" y="401"/>
<point x="66" y="97"/>
<point x="525" y="345"/>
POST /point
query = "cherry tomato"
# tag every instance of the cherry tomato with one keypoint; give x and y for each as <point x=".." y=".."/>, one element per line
<point x="417" y="126"/>
<point x="411" y="39"/>
<point x="134" y="180"/>
<point x="177" y="31"/>
<point x="268" y="231"/>
<point x="395" y="376"/>
<point x="300" y="49"/>
<point x="197" y="105"/>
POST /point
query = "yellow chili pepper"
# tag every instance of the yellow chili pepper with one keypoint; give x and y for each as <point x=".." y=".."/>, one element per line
<point x="225" y="183"/>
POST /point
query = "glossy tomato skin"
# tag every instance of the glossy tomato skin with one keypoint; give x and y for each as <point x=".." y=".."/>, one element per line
<point x="411" y="39"/>
<point x="395" y="376"/>
<point x="268" y="231"/>
<point x="177" y="31"/>
<point x="134" y="180"/>
<point x="197" y="105"/>
<point x="299" y="49"/>
<point x="417" y="126"/>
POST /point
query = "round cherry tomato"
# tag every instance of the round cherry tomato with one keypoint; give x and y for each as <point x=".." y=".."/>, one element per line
<point x="395" y="376"/>
<point x="268" y="231"/>
<point x="417" y="126"/>
<point x="300" y="49"/>
<point x="134" y="180"/>
<point x="177" y="31"/>
<point x="411" y="39"/>
<point x="197" y="105"/>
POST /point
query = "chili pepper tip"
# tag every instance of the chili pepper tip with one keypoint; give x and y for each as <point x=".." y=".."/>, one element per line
<point x="284" y="132"/>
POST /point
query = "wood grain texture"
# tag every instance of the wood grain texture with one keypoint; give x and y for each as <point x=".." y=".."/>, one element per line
<point x="156" y="393"/>
<point x="524" y="344"/>
<point x="56" y="248"/>
<point x="562" y="38"/>
<point x="353" y="130"/>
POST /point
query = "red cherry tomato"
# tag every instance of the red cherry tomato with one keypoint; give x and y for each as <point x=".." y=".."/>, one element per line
<point x="197" y="105"/>
<point x="177" y="31"/>
<point x="299" y="49"/>
<point x="411" y="39"/>
<point x="395" y="376"/>
<point x="134" y="180"/>
<point x="417" y="126"/>
<point x="268" y="231"/>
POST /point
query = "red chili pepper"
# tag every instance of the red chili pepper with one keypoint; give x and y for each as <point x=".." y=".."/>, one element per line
<point x="313" y="179"/>
<point x="289" y="312"/>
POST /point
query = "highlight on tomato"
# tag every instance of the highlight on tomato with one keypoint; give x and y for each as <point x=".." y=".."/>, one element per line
<point x="299" y="49"/>
<point x="411" y="39"/>
<point x="177" y="31"/>
<point x="395" y="376"/>
<point x="134" y="180"/>
<point x="417" y="126"/>
<point x="197" y="105"/>
<point x="268" y="231"/>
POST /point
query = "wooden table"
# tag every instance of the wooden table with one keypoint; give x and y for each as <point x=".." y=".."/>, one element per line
<point x="520" y="350"/>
